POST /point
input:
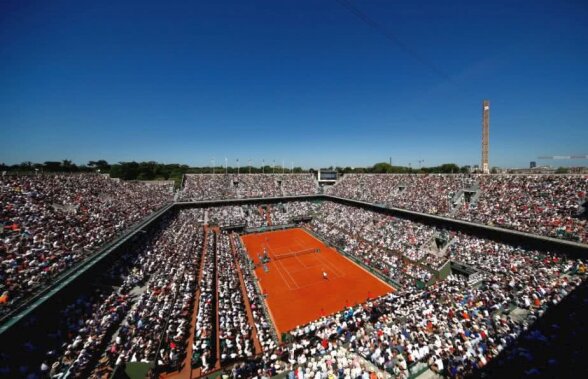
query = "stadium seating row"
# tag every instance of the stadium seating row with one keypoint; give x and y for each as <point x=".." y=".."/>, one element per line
<point x="49" y="223"/>
<point x="233" y="186"/>
<point x="450" y="327"/>
<point x="549" y="205"/>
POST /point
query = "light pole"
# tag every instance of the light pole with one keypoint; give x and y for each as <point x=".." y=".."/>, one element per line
<point x="263" y="166"/>
<point x="250" y="166"/>
<point x="226" y="165"/>
<point x="238" y="167"/>
<point x="282" y="166"/>
<point x="291" y="167"/>
<point x="212" y="164"/>
<point x="274" y="167"/>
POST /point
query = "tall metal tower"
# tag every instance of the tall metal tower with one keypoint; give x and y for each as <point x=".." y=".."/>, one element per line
<point x="485" y="135"/>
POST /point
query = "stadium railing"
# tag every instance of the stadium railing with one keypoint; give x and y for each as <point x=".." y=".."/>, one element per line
<point x="263" y="229"/>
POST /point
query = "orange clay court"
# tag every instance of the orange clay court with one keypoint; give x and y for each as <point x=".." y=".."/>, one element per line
<point x="296" y="291"/>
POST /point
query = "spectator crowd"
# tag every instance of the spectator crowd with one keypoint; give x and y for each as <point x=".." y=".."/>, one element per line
<point x="432" y="193"/>
<point x="550" y="205"/>
<point x="190" y="272"/>
<point x="49" y="223"/>
<point x="240" y="186"/>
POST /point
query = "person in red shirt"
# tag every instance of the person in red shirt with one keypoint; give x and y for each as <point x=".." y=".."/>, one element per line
<point x="4" y="298"/>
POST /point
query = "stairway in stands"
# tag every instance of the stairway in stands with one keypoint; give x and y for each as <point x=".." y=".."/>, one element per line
<point x="268" y="216"/>
<point x="431" y="244"/>
<point x="459" y="199"/>
<point x="261" y="212"/>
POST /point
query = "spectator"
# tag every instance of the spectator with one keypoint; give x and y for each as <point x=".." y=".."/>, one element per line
<point x="52" y="222"/>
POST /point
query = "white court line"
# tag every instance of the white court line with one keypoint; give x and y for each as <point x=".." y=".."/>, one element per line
<point x="290" y="287"/>
<point x="290" y="275"/>
<point x="300" y="244"/>
<point x="323" y="261"/>
<point x="324" y="247"/>
<point x="333" y="267"/>
<point x="299" y="261"/>
<point x="288" y="272"/>
<point x="282" y="275"/>
<point x="303" y="264"/>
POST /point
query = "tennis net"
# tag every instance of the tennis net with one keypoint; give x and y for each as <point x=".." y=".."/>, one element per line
<point x="294" y="254"/>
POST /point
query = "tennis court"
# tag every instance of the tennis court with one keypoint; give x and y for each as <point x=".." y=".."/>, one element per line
<point x="297" y="292"/>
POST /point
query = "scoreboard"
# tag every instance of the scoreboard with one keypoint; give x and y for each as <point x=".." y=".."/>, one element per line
<point x="327" y="176"/>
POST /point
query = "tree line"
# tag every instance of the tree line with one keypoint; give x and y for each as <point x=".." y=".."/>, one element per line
<point x="160" y="171"/>
<point x="386" y="168"/>
<point x="140" y="170"/>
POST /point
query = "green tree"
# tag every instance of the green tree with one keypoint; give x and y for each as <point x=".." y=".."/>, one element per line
<point x="449" y="168"/>
<point x="68" y="166"/>
<point x="101" y="165"/>
<point x="382" y="167"/>
<point x="52" y="166"/>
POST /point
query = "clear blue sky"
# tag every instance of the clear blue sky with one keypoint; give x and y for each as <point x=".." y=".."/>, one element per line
<point x="295" y="80"/>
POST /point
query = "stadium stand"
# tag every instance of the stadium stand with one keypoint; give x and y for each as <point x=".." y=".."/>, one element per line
<point x="233" y="186"/>
<point x="235" y="337"/>
<point x="298" y="184"/>
<point x="550" y="205"/>
<point x="192" y="273"/>
<point x="265" y="333"/>
<point x="207" y="187"/>
<point x="204" y="345"/>
<point x="51" y="222"/>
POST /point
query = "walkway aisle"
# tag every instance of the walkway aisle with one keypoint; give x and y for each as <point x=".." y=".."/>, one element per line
<point x="217" y="365"/>
<point x="256" y="343"/>
<point x="186" y="372"/>
<point x="260" y="211"/>
<point x="212" y="232"/>
<point x="268" y="215"/>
